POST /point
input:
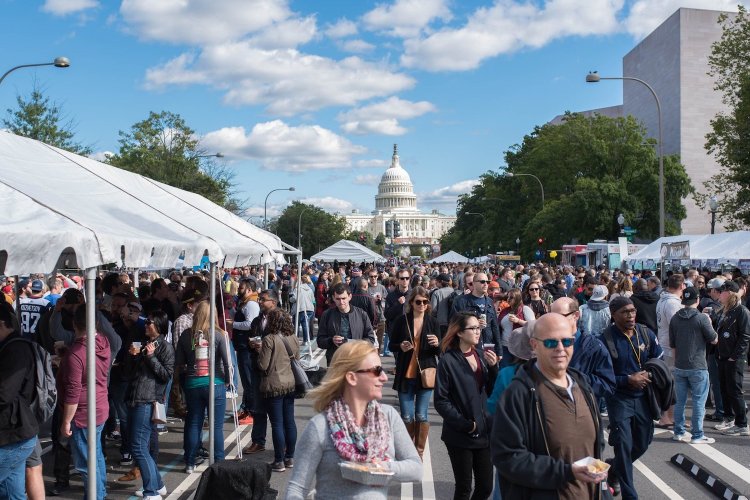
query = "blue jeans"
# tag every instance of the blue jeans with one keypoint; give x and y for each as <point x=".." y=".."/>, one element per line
<point x="386" y="339"/>
<point x="305" y="322"/>
<point x="406" y="401"/>
<point x="246" y="376"/>
<point x="283" y="428"/>
<point x="141" y="429"/>
<point x="167" y="392"/>
<point x="13" y="468"/>
<point x="197" y="405"/>
<point x="697" y="382"/>
<point x="80" y="451"/>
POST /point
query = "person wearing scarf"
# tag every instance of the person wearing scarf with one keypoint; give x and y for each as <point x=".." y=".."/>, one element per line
<point x="352" y="426"/>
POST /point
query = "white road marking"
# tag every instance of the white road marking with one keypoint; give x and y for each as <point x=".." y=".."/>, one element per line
<point x="720" y="458"/>
<point x="656" y="480"/>
<point x="428" y="484"/>
<point x="407" y="491"/>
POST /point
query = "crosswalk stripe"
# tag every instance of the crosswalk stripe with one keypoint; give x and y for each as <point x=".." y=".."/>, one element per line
<point x="656" y="480"/>
<point x="428" y="484"/>
<point x="720" y="458"/>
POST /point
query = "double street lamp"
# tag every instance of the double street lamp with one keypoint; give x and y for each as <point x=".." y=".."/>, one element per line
<point x="265" y="205"/>
<point x="713" y="205"/>
<point x="594" y="77"/>
<point x="541" y="186"/>
<point x="59" y="62"/>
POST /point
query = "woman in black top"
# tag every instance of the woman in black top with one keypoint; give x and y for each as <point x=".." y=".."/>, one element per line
<point x="465" y="378"/>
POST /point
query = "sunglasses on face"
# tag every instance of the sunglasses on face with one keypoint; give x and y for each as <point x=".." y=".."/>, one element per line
<point x="403" y="277"/>
<point x="552" y="343"/>
<point x="421" y="302"/>
<point x="375" y="370"/>
<point x="533" y="289"/>
<point x="484" y="282"/>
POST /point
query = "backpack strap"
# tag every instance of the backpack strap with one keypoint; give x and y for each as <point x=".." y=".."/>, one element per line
<point x="643" y="332"/>
<point x="610" y="341"/>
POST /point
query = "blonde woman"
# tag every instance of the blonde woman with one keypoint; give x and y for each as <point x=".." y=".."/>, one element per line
<point x="352" y="426"/>
<point x="624" y="288"/>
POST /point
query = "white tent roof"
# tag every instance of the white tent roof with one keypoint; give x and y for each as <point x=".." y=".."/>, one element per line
<point x="345" y="250"/>
<point x="449" y="257"/>
<point x="69" y="201"/>
<point x="724" y="247"/>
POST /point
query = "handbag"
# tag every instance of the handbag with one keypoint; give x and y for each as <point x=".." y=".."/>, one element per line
<point x="159" y="413"/>
<point x="301" y="382"/>
<point x="427" y="375"/>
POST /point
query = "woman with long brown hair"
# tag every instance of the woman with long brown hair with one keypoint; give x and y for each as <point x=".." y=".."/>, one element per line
<point x="464" y="381"/>
<point x="518" y="315"/>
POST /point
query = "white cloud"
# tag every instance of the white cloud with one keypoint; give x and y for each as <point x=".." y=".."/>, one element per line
<point x="329" y="203"/>
<point x="64" y="7"/>
<point x="286" y="34"/>
<point x="201" y="21"/>
<point x="101" y="155"/>
<point x="508" y="26"/>
<point x="382" y="117"/>
<point x="646" y="15"/>
<point x="341" y="28"/>
<point x="406" y="18"/>
<point x="449" y="194"/>
<point x="367" y="180"/>
<point x="287" y="81"/>
<point x="373" y="163"/>
<point x="278" y="146"/>
<point x="356" y="46"/>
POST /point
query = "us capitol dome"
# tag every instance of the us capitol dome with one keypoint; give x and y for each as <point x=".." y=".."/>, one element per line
<point x="396" y="201"/>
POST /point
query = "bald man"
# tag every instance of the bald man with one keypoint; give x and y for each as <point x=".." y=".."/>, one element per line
<point x="534" y="451"/>
<point x="590" y="356"/>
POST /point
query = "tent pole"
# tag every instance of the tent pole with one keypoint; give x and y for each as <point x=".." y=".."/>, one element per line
<point x="212" y="366"/>
<point x="91" y="379"/>
<point x="265" y="276"/>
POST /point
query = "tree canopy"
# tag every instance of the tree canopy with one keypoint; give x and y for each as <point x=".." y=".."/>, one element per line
<point x="729" y="139"/>
<point x="592" y="169"/>
<point x="163" y="147"/>
<point x="39" y="118"/>
<point x="319" y="228"/>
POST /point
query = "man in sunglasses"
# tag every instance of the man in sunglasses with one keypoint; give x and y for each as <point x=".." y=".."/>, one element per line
<point x="479" y="303"/>
<point x="589" y="283"/>
<point x="630" y="418"/>
<point x="541" y="409"/>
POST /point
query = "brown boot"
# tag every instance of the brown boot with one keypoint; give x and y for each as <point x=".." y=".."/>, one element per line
<point x="420" y="440"/>
<point x="135" y="473"/>
<point x="411" y="428"/>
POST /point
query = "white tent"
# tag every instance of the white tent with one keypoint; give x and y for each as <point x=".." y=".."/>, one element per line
<point x="345" y="250"/>
<point x="722" y="248"/>
<point x="451" y="256"/>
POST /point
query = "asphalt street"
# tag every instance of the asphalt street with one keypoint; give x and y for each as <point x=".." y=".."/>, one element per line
<point x="656" y="478"/>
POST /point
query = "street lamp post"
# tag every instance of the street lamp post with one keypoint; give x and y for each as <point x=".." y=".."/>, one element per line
<point x="621" y="222"/>
<point x="713" y="205"/>
<point x="215" y="155"/>
<point x="299" y="228"/>
<point x="518" y="246"/>
<point x="595" y="78"/>
<point x="265" y="205"/>
<point x="511" y="174"/>
<point x="59" y="62"/>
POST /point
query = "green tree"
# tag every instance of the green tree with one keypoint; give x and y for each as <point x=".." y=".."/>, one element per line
<point x="592" y="169"/>
<point x="319" y="228"/>
<point x="729" y="139"/>
<point x="163" y="147"/>
<point x="39" y="118"/>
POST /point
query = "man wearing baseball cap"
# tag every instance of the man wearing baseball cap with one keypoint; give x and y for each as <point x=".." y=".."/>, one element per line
<point x="630" y="420"/>
<point x="33" y="308"/>
<point x="710" y="304"/>
<point x="689" y="334"/>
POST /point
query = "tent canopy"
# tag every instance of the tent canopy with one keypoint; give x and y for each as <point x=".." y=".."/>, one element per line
<point x="723" y="247"/>
<point x="451" y="256"/>
<point x="57" y="202"/>
<point x="345" y="250"/>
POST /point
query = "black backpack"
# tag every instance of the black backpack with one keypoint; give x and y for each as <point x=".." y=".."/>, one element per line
<point x="44" y="397"/>
<point x="610" y="341"/>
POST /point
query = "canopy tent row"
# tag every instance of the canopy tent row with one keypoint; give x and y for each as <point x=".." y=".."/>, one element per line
<point x="345" y="250"/>
<point x="449" y="257"/>
<point x="56" y="202"/>
<point x="705" y="250"/>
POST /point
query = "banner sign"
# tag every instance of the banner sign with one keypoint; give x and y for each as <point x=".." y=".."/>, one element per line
<point x="679" y="250"/>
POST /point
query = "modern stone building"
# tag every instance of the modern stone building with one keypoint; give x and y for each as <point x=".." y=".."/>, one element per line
<point x="673" y="59"/>
<point x="396" y="201"/>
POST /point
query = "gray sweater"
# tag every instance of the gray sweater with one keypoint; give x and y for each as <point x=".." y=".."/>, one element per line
<point x="317" y="460"/>
<point x="689" y="333"/>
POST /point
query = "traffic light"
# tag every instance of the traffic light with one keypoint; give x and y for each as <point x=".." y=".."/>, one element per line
<point x="396" y="229"/>
<point x="389" y="229"/>
<point x="540" y="241"/>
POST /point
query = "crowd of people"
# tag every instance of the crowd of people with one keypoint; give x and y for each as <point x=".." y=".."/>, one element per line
<point x="523" y="364"/>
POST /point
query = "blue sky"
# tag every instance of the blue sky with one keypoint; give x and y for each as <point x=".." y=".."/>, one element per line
<point x="314" y="94"/>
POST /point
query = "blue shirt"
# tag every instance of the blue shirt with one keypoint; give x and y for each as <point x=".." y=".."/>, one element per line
<point x="627" y="363"/>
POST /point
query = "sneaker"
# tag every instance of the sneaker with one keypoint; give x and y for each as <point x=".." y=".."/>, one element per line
<point x="724" y="425"/>
<point x="278" y="467"/>
<point x="254" y="448"/>
<point x="703" y="440"/>
<point x="189" y="469"/>
<point x="127" y="459"/>
<point x="289" y="462"/>
<point x="162" y="492"/>
<point x="199" y="459"/>
<point x="737" y="431"/>
<point x="612" y="480"/>
<point x="245" y="419"/>
<point x="683" y="438"/>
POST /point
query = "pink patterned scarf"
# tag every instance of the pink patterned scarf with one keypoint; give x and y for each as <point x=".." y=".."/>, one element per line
<point x="359" y="444"/>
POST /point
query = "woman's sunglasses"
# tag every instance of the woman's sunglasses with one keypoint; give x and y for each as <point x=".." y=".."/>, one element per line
<point x="533" y="289"/>
<point x="552" y="343"/>
<point x="375" y="370"/>
<point x="421" y="302"/>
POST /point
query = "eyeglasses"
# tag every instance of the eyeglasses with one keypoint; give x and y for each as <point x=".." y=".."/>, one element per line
<point x="533" y="289"/>
<point x="553" y="343"/>
<point x="484" y="282"/>
<point x="375" y="370"/>
<point x="373" y="276"/>
<point x="421" y="302"/>
<point x="403" y="277"/>
<point x="472" y="329"/>
<point x="628" y="312"/>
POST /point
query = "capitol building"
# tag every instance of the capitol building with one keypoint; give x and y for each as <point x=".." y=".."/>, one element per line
<point x="396" y="201"/>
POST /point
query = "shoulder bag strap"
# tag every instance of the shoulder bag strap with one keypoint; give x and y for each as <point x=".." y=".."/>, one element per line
<point x="411" y="336"/>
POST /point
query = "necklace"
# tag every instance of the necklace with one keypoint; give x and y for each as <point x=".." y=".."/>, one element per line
<point x="636" y="352"/>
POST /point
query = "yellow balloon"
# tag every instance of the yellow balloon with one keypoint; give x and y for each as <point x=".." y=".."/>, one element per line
<point x="553" y="254"/>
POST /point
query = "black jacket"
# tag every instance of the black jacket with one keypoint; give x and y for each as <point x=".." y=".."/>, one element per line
<point x="185" y="356"/>
<point x="427" y="353"/>
<point x="733" y="327"/>
<point x="460" y="403"/>
<point x="519" y="444"/>
<point x="660" y="392"/>
<point x="645" y="309"/>
<point x="367" y="304"/>
<point x="393" y="310"/>
<point x="149" y="375"/>
<point x="330" y="324"/>
<point x="17" y="386"/>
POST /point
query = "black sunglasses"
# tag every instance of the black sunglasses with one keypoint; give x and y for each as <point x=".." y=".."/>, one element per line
<point x="421" y="302"/>
<point x="403" y="277"/>
<point x="552" y="343"/>
<point x="535" y="289"/>
<point x="375" y="370"/>
<point x="484" y="282"/>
